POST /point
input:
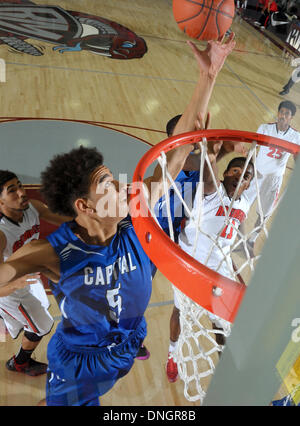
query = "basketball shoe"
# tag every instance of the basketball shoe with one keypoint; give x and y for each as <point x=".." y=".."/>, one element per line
<point x="284" y="92"/>
<point x="31" y="367"/>
<point x="143" y="353"/>
<point x="171" y="369"/>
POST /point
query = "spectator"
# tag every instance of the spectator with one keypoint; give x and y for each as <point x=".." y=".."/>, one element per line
<point x="270" y="6"/>
<point x="295" y="78"/>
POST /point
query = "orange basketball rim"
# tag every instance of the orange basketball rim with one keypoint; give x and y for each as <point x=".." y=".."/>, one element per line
<point x="209" y="289"/>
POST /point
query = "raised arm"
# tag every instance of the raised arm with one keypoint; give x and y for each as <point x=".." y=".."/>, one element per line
<point x="210" y="61"/>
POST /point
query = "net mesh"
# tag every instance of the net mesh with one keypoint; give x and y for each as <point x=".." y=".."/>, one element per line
<point x="202" y="333"/>
<point x="197" y="352"/>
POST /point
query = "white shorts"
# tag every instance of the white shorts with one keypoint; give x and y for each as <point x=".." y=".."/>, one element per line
<point x="269" y="191"/>
<point x="176" y="302"/>
<point x="21" y="310"/>
<point x="269" y="188"/>
<point x="39" y="292"/>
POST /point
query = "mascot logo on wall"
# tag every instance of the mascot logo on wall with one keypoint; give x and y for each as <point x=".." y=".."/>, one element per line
<point x="70" y="31"/>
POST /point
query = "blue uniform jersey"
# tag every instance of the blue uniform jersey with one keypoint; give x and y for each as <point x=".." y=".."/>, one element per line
<point x="186" y="183"/>
<point x="103" y="290"/>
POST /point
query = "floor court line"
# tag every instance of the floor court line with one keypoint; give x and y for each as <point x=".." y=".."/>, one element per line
<point x="113" y="74"/>
<point x="91" y="122"/>
<point x="195" y="41"/>
<point x="247" y="87"/>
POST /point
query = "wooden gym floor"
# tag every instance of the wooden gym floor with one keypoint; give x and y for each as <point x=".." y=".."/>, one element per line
<point x="138" y="97"/>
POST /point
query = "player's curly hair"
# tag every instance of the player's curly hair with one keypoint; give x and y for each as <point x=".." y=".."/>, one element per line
<point x="67" y="178"/>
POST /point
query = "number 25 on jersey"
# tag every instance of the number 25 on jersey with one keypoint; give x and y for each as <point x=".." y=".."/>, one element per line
<point x="275" y="153"/>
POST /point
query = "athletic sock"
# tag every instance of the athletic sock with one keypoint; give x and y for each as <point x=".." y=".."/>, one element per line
<point x="255" y="234"/>
<point x="23" y="356"/>
<point x="253" y="238"/>
<point x="172" y="346"/>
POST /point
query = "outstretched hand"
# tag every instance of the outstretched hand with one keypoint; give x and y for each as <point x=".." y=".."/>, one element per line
<point x="200" y="124"/>
<point x="218" y="148"/>
<point x="239" y="147"/>
<point x="26" y="280"/>
<point x="213" y="146"/>
<point x="211" y="60"/>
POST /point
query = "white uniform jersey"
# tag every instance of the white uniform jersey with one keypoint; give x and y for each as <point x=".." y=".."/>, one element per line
<point x="26" y="308"/>
<point x="213" y="224"/>
<point x="18" y="234"/>
<point x="271" y="160"/>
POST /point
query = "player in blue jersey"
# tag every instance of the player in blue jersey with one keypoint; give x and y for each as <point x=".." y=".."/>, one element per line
<point x="97" y="261"/>
<point x="186" y="182"/>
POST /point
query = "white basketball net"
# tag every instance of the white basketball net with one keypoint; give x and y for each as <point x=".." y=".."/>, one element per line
<point x="198" y="352"/>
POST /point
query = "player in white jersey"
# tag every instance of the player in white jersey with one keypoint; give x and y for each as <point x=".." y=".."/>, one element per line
<point x="212" y="224"/>
<point x="187" y="181"/>
<point x="23" y="308"/>
<point x="18" y="233"/>
<point x="271" y="163"/>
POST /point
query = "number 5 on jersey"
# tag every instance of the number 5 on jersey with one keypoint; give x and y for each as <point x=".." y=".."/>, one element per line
<point x="115" y="303"/>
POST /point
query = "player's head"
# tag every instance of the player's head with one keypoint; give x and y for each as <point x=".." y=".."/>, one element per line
<point x="5" y="176"/>
<point x="12" y="193"/>
<point x="67" y="178"/>
<point x="233" y="173"/>
<point x="286" y="111"/>
<point x="171" y="125"/>
<point x="288" y="105"/>
<point x="74" y="183"/>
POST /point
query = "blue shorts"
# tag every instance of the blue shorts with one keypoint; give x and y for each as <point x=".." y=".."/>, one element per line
<point x="78" y="376"/>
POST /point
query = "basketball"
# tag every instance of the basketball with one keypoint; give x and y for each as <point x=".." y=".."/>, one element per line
<point x="204" y="19"/>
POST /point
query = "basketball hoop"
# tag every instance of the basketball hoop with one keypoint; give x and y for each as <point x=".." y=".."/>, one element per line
<point x="201" y="291"/>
